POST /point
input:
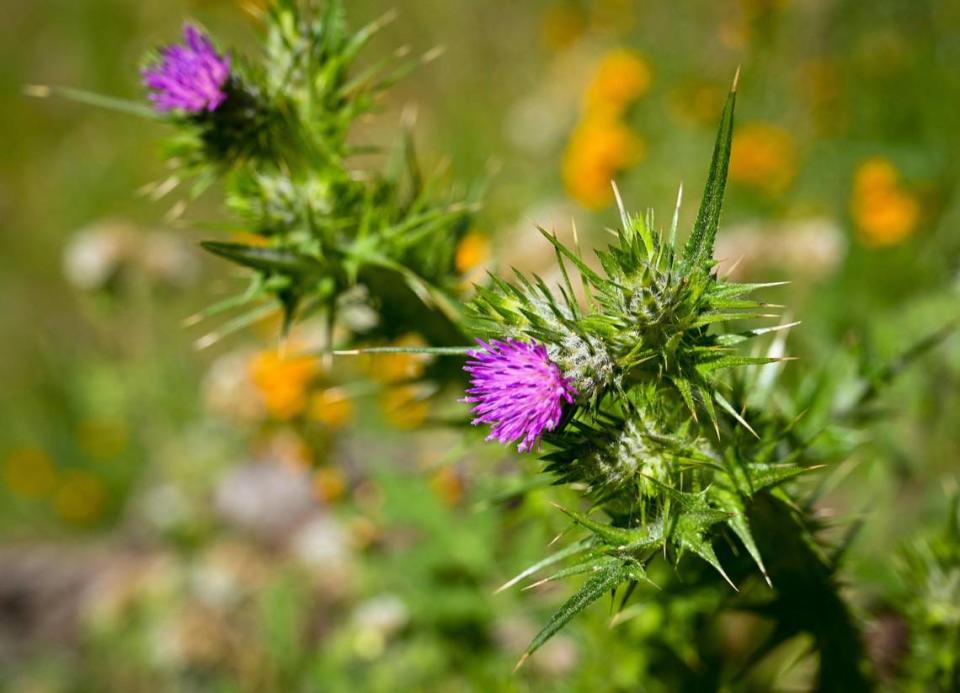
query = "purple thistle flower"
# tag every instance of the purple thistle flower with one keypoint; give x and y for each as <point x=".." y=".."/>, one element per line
<point x="189" y="76"/>
<point x="518" y="389"/>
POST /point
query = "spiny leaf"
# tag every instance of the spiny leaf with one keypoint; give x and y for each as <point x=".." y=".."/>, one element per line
<point x="695" y="542"/>
<point x="585" y="270"/>
<point x="699" y="248"/>
<point x="686" y="392"/>
<point x="553" y="558"/>
<point x="591" y="591"/>
<point x="614" y="536"/>
<point x="711" y="410"/>
<point x="737" y="522"/>
<point x="722" y="401"/>
<point x="92" y="99"/>
<point x="588" y="566"/>
<point x="265" y="259"/>
<point x="765" y="476"/>
<point x="707" y="367"/>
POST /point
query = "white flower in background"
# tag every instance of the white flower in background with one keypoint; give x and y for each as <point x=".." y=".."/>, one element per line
<point x="97" y="253"/>
<point x="322" y="543"/>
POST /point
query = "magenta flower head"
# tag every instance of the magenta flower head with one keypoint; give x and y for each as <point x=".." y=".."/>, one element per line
<point x="517" y="389"/>
<point x="189" y="76"/>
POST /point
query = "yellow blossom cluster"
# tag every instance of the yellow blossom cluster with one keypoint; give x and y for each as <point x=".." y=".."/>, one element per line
<point x="884" y="212"/>
<point x="287" y="388"/>
<point x="283" y="382"/>
<point x="403" y="401"/>
<point x="764" y="157"/>
<point x="602" y="144"/>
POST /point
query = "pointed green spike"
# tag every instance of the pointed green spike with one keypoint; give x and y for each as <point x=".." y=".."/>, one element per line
<point x="608" y="533"/>
<point x="686" y="392"/>
<point x="704" y="549"/>
<point x="699" y="248"/>
<point x="739" y="525"/>
<point x="98" y="100"/>
<point x="266" y="259"/>
<point x="711" y="410"/>
<point x="597" y="563"/>
<point x="556" y="557"/>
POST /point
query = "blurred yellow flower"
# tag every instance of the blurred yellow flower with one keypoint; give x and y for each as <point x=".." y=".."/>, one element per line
<point x="885" y="213"/>
<point x="331" y="407"/>
<point x="875" y="175"/>
<point x="405" y="407"/>
<point x="393" y="368"/>
<point x="764" y="157"/>
<point x="599" y="149"/>
<point x="329" y="484"/>
<point x="80" y="497"/>
<point x="622" y="77"/>
<point x="472" y="251"/>
<point x="29" y="472"/>
<point x="282" y="382"/>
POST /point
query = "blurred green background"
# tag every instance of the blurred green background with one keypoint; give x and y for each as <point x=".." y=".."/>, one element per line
<point x="174" y="518"/>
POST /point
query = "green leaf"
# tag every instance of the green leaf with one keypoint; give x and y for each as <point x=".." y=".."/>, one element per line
<point x="615" y="536"/>
<point x="591" y="591"/>
<point x="695" y="541"/>
<point x="737" y="522"/>
<point x="699" y="248"/>
<point x="99" y="100"/>
<point x="686" y="392"/>
<point x="265" y="259"/>
<point x="597" y="562"/>
<point x="553" y="558"/>
<point x="765" y="476"/>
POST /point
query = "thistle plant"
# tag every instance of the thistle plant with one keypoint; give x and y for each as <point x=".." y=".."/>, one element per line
<point x="680" y="443"/>
<point x="276" y="130"/>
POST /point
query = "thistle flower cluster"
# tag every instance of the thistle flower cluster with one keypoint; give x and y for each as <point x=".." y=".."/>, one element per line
<point x="191" y="76"/>
<point x="276" y="132"/>
<point x="518" y="390"/>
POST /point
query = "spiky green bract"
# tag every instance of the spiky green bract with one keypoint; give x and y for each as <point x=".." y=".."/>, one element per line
<point x="325" y="223"/>
<point x="650" y="314"/>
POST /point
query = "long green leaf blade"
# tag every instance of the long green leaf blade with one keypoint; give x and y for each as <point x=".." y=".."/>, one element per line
<point x="699" y="247"/>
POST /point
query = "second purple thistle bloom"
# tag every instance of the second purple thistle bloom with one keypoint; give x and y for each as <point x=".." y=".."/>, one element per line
<point x="190" y="76"/>
<point x="517" y="389"/>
